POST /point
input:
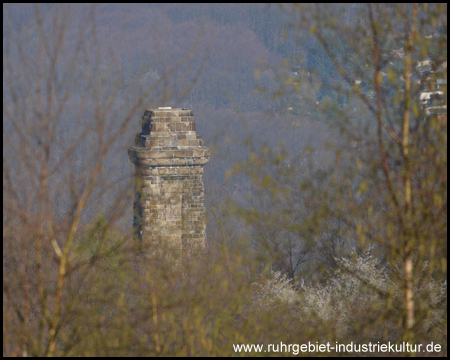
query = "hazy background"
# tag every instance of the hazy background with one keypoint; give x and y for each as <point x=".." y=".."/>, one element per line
<point x="230" y="50"/>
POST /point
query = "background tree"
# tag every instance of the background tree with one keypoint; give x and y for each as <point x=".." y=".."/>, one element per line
<point x="385" y="184"/>
<point x="67" y="111"/>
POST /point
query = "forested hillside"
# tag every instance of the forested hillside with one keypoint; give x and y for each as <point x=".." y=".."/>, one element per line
<point x="326" y="191"/>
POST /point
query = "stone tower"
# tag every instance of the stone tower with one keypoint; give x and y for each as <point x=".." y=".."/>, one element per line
<point x="169" y="204"/>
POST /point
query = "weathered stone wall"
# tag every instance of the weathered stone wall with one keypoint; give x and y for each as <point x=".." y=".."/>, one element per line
<point x="169" y="205"/>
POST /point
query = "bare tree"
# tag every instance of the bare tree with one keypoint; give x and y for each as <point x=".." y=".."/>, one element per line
<point x="386" y="146"/>
<point x="68" y="112"/>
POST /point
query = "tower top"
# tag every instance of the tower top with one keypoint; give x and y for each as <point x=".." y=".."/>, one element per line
<point x="169" y="134"/>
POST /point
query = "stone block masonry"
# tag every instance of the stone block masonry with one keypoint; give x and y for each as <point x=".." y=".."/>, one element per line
<point x="169" y="203"/>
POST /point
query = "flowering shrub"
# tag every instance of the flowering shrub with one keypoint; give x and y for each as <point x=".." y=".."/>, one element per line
<point x="274" y="292"/>
<point x="362" y="299"/>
